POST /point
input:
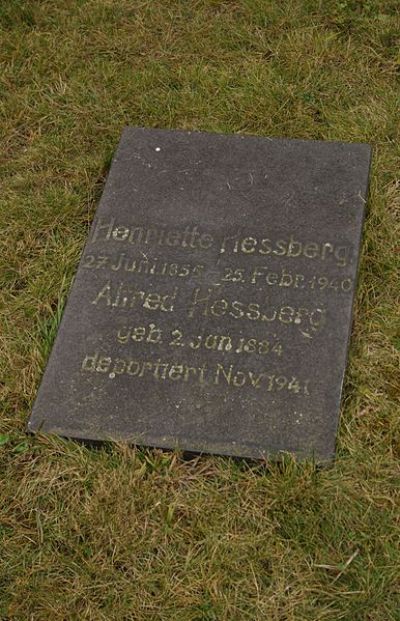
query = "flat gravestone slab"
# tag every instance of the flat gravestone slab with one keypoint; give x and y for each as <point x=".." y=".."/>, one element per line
<point x="212" y="306"/>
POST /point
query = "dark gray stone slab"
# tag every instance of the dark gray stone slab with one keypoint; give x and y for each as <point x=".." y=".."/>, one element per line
<point x="211" y="310"/>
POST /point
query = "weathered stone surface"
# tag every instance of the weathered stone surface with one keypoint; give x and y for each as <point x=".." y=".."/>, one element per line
<point x="211" y="310"/>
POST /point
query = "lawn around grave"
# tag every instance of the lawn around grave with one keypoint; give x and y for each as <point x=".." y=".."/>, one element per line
<point x="111" y="532"/>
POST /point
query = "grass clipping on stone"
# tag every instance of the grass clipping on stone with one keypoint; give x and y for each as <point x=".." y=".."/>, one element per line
<point x="122" y="534"/>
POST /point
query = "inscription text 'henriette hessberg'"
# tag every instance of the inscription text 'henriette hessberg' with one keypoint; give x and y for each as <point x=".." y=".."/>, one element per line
<point x="192" y="238"/>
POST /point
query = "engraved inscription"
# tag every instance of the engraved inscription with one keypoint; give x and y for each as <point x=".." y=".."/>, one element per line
<point x="176" y="337"/>
<point x="222" y="298"/>
<point x="261" y="275"/>
<point x="289" y="248"/>
<point x="220" y="374"/>
<point x="190" y="237"/>
<point x="206" y="302"/>
<point x="193" y="238"/>
<point x="214" y="302"/>
<point x="238" y="292"/>
<point x="141" y="265"/>
<point x="122" y="296"/>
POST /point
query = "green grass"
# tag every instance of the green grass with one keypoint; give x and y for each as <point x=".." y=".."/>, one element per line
<point x="115" y="533"/>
